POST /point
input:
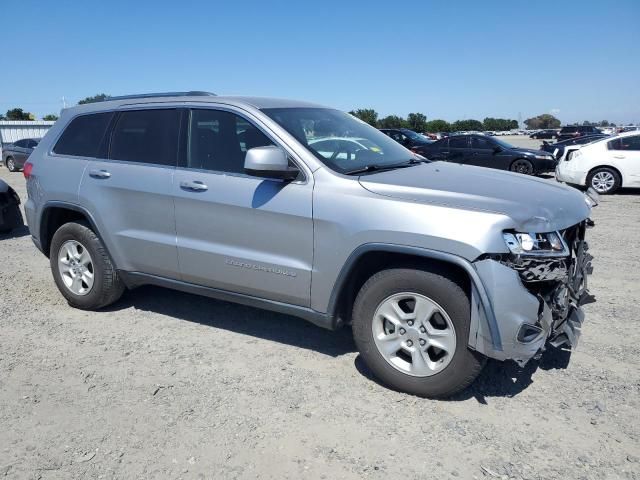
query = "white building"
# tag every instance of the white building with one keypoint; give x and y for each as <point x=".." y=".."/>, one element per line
<point x="14" y="130"/>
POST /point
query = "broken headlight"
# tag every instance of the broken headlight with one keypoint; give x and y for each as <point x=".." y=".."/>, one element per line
<point x="549" y="244"/>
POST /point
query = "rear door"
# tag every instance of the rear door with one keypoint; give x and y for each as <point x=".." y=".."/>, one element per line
<point x="237" y="232"/>
<point x="481" y="152"/>
<point x="624" y="154"/>
<point x="458" y="149"/>
<point x="19" y="153"/>
<point x="129" y="192"/>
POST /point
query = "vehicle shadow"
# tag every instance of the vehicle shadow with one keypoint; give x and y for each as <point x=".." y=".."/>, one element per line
<point x="497" y="379"/>
<point x="237" y="318"/>
<point x="22" y="231"/>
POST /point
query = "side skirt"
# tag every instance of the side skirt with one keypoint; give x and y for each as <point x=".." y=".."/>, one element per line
<point x="137" y="279"/>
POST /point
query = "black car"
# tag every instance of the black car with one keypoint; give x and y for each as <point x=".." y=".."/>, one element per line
<point x="575" y="131"/>
<point x="410" y="139"/>
<point x="544" y="134"/>
<point x="10" y="215"/>
<point x="557" y="149"/>
<point x="14" y="155"/>
<point x="490" y="152"/>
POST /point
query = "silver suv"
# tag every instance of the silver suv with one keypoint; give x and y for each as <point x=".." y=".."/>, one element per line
<point x="305" y="210"/>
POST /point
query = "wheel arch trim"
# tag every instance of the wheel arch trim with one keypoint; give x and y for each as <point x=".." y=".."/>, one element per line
<point x="44" y="221"/>
<point x="445" y="257"/>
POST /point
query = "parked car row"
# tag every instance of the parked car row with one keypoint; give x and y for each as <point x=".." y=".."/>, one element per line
<point x="605" y="165"/>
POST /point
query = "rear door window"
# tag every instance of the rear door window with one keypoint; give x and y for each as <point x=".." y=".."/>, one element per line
<point x="625" y="143"/>
<point x="458" y="142"/>
<point x="146" y="136"/>
<point x="84" y="135"/>
<point x="481" y="143"/>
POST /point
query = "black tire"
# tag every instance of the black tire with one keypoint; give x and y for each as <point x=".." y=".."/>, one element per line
<point x="465" y="364"/>
<point x="523" y="166"/>
<point x="617" y="181"/>
<point x="10" y="164"/>
<point x="107" y="285"/>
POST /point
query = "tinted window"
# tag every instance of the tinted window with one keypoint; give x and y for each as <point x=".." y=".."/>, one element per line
<point x="21" y="143"/>
<point x="458" y="142"/>
<point x="146" y="136"/>
<point x="569" y="129"/>
<point x="32" y="143"/>
<point x="482" y="143"/>
<point x="625" y="143"/>
<point x="84" y="135"/>
<point x="219" y="141"/>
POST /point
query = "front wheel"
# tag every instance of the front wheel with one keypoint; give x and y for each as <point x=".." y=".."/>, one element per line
<point x="412" y="329"/>
<point x="523" y="166"/>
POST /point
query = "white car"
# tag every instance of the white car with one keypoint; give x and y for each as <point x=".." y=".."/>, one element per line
<point x="605" y="165"/>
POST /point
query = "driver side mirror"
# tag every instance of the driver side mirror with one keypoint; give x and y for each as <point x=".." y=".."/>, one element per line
<point x="269" y="162"/>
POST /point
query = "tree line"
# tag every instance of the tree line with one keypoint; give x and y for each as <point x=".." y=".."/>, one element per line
<point x="20" y="114"/>
<point x="419" y="123"/>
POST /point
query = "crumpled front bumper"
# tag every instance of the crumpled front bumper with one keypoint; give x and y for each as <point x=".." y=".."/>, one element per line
<point x="535" y="301"/>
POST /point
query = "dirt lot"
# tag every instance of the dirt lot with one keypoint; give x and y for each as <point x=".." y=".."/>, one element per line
<point x="169" y="385"/>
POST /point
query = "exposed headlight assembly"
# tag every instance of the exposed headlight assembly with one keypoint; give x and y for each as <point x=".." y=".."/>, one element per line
<point x="548" y="244"/>
<point x="544" y="157"/>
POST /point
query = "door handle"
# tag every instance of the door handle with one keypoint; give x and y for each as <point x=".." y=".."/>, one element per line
<point x="195" y="186"/>
<point x="99" y="174"/>
<point x="619" y="156"/>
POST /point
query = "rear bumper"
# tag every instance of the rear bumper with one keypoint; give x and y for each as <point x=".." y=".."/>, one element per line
<point x="564" y="173"/>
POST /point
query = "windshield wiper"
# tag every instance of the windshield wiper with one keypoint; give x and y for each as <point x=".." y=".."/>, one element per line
<point x="380" y="168"/>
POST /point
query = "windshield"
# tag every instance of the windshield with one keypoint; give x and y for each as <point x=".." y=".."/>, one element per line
<point x="413" y="135"/>
<point x="339" y="140"/>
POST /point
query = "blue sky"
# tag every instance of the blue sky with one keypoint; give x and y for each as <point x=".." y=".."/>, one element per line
<point x="451" y="60"/>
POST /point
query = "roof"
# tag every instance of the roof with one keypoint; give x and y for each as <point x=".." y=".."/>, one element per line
<point x="240" y="101"/>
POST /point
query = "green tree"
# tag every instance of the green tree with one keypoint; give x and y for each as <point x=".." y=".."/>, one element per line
<point x="96" y="98"/>
<point x="18" y="114"/>
<point x="417" y="122"/>
<point x="542" y="121"/>
<point x="368" y="115"/>
<point x="392" y="121"/>
<point x="466" y="125"/>
<point x="50" y="117"/>
<point x="437" y="125"/>
<point x="499" y="124"/>
<point x="604" y="123"/>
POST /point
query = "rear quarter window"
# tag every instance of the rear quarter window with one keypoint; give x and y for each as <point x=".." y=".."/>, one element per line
<point x="84" y="135"/>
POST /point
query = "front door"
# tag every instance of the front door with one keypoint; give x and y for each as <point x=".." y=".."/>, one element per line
<point x="237" y="232"/>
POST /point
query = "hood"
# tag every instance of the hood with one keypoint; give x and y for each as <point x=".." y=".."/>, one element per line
<point x="534" y="205"/>
<point x="530" y="151"/>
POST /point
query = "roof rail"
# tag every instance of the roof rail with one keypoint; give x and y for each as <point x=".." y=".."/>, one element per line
<point x="161" y="94"/>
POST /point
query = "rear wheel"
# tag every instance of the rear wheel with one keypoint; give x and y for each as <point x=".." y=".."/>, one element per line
<point x="11" y="164"/>
<point x="82" y="269"/>
<point x="412" y="329"/>
<point x="604" y="180"/>
<point x="522" y="165"/>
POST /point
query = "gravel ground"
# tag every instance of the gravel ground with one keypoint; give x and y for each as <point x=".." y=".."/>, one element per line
<point x="169" y="385"/>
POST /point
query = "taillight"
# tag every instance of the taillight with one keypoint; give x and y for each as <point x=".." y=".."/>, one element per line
<point x="26" y="171"/>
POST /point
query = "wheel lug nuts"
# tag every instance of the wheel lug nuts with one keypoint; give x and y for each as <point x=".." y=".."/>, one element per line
<point x="410" y="322"/>
<point x="423" y="330"/>
<point x="409" y="343"/>
<point x="402" y="331"/>
<point x="422" y="342"/>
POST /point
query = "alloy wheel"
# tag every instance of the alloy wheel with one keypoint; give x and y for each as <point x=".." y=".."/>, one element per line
<point x="76" y="267"/>
<point x="11" y="166"/>
<point x="602" y="182"/>
<point x="414" y="334"/>
<point x="522" y="166"/>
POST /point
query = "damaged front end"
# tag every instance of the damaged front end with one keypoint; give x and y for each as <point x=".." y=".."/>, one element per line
<point x="10" y="215"/>
<point x="536" y="292"/>
<point x="560" y="284"/>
